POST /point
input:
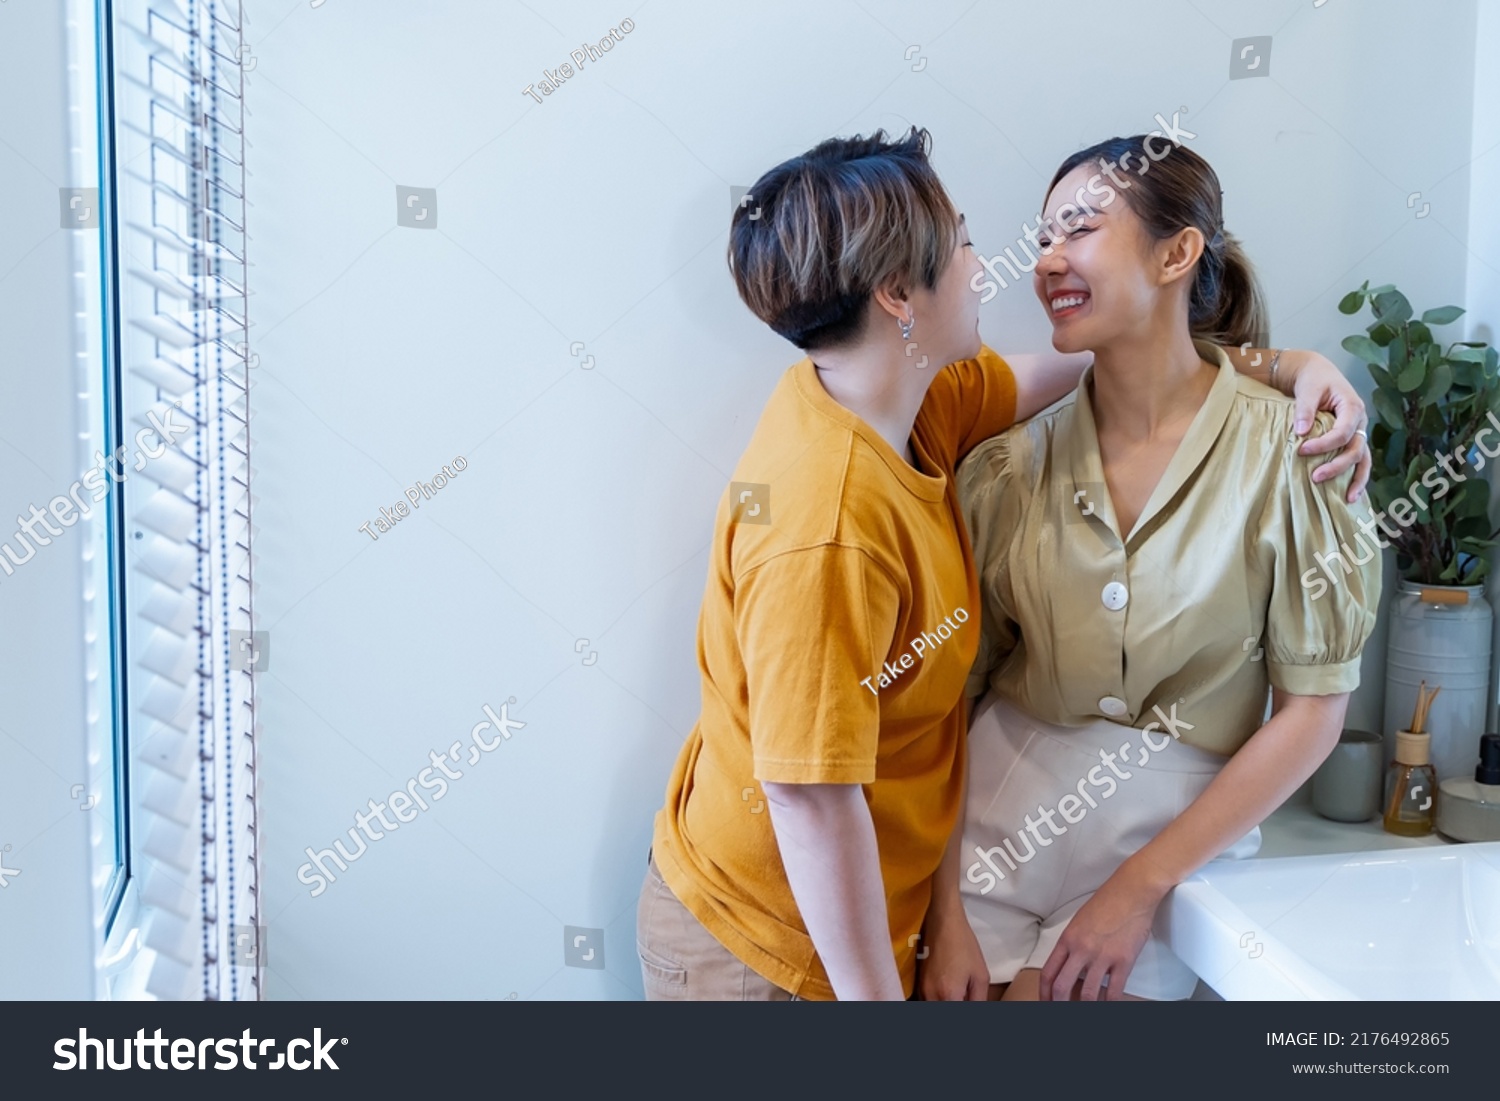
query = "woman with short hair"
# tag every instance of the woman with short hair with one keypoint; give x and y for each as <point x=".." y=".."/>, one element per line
<point x="1143" y="553"/>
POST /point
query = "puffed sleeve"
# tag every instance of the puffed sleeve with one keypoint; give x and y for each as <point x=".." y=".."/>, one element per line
<point x="982" y="482"/>
<point x="1325" y="586"/>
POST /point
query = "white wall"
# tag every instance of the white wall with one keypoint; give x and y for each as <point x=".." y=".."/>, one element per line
<point x="600" y="216"/>
<point x="47" y="916"/>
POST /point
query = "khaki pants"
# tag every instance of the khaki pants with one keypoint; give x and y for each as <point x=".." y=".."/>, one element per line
<point x="681" y="961"/>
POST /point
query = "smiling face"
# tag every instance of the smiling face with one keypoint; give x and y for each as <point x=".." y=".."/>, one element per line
<point x="1099" y="282"/>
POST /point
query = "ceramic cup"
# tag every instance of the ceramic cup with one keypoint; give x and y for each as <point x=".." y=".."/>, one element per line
<point x="1346" y="787"/>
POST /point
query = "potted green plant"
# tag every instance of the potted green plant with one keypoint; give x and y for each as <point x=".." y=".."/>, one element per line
<point x="1432" y="404"/>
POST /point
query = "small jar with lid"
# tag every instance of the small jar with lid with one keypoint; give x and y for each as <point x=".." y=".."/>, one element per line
<point x="1469" y="810"/>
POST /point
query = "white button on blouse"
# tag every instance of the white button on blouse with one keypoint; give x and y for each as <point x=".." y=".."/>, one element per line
<point x="1113" y="706"/>
<point x="1114" y="596"/>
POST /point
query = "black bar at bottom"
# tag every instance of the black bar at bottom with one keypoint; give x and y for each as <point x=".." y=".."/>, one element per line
<point x="772" y="1051"/>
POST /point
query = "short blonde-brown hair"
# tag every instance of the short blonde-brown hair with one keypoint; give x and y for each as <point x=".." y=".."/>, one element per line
<point x="818" y="234"/>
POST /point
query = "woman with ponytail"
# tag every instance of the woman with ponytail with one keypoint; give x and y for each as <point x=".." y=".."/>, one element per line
<point x="1153" y="559"/>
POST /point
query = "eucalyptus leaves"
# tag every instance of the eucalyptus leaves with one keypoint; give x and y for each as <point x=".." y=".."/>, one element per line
<point x="1430" y="404"/>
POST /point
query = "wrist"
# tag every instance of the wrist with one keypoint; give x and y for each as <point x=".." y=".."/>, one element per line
<point x="1289" y="364"/>
<point x="1146" y="878"/>
<point x="945" y="910"/>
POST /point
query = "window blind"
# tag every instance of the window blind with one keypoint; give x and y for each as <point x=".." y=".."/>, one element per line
<point x="180" y="182"/>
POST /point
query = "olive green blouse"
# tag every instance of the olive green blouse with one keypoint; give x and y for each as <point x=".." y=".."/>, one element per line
<point x="1241" y="571"/>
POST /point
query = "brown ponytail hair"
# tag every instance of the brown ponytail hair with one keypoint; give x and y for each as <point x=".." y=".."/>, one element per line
<point x="1169" y="191"/>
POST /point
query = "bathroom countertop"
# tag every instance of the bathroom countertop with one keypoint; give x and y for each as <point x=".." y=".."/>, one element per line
<point x="1295" y="829"/>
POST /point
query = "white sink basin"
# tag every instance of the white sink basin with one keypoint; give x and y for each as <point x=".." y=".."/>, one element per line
<point x="1408" y="924"/>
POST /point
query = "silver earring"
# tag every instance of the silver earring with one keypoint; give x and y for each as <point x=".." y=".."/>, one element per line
<point x="906" y="327"/>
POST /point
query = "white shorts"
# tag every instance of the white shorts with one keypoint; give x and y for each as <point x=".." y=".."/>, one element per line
<point x="1049" y="818"/>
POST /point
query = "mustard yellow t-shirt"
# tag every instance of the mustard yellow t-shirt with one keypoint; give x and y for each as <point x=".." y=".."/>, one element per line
<point x="839" y="622"/>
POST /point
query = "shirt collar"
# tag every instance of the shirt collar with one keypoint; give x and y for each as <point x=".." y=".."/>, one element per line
<point x="928" y="487"/>
<point x="1089" y="489"/>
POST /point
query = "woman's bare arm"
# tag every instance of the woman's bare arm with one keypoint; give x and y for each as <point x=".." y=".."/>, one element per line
<point x="1045" y="377"/>
<point x="827" y="842"/>
<point x="1276" y="760"/>
<point x="954" y="970"/>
